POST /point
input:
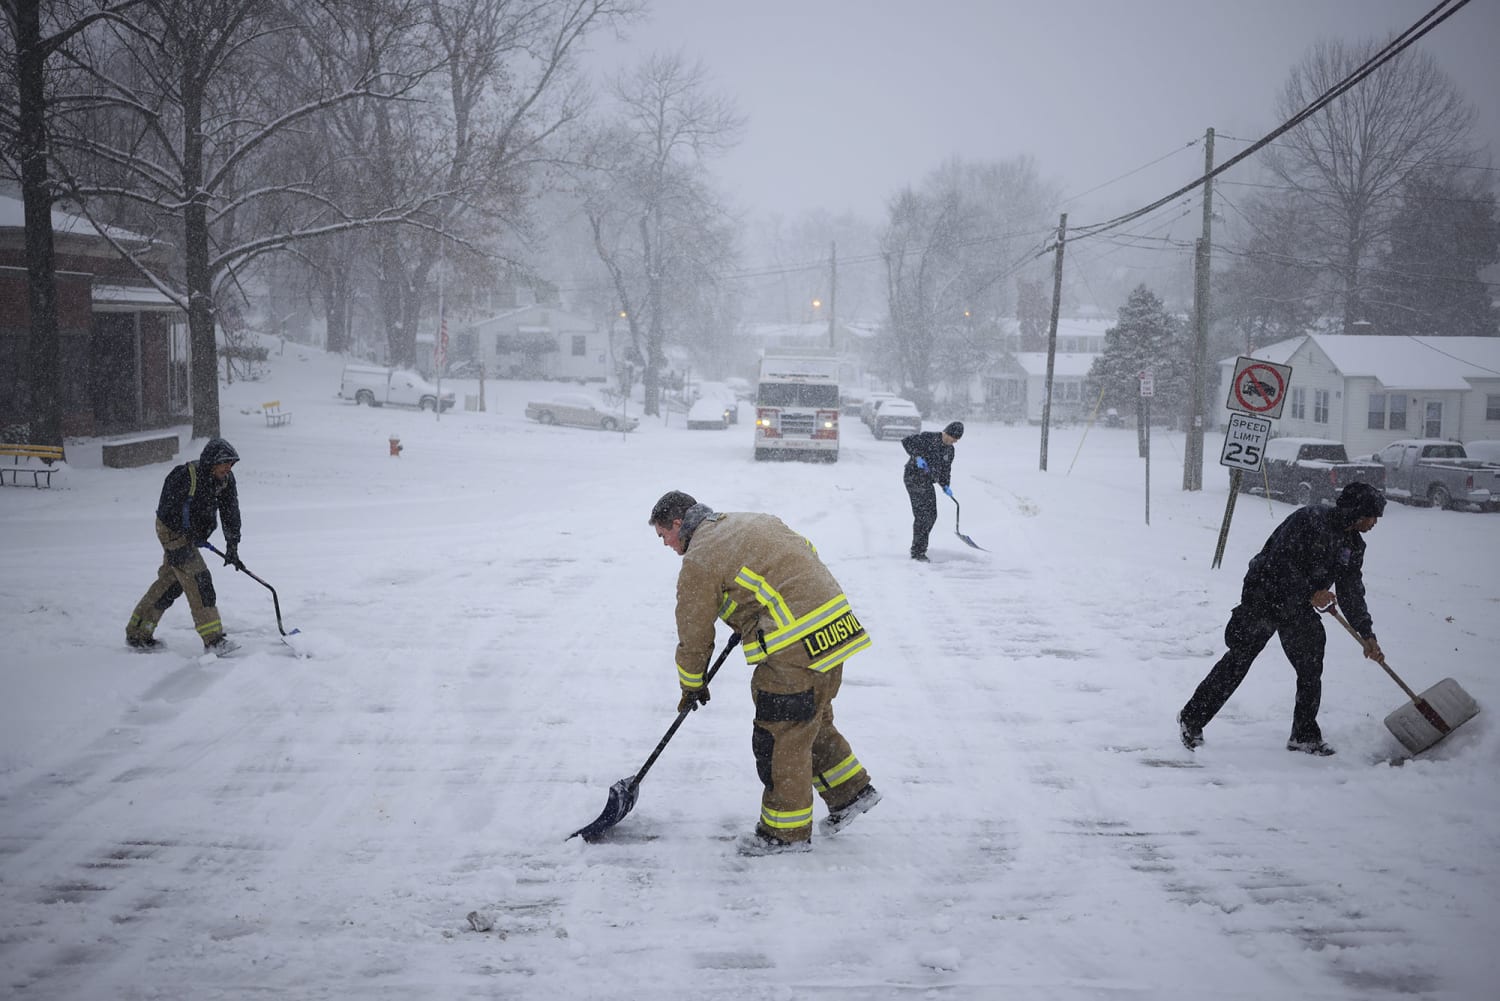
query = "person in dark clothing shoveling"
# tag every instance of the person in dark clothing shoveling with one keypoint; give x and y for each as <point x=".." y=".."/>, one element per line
<point x="193" y="497"/>
<point x="1316" y="552"/>
<point x="931" y="461"/>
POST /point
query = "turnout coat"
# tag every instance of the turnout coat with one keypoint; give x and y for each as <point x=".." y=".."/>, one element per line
<point x="768" y="584"/>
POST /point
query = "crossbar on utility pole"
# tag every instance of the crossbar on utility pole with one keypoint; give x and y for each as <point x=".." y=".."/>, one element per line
<point x="1057" y="261"/>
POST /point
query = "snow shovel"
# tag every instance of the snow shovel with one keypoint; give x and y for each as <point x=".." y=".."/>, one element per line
<point x="286" y="637"/>
<point x="622" y="794"/>
<point x="1428" y="717"/>
<point x="957" y="512"/>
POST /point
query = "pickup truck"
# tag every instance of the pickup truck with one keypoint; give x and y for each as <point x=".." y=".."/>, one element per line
<point x="1309" y="471"/>
<point x="1439" y="473"/>
<point x="376" y="386"/>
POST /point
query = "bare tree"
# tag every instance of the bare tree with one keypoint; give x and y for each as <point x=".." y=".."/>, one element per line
<point x="950" y="249"/>
<point x="183" y="127"/>
<point x="656" y="226"/>
<point x="1348" y="161"/>
<point x="24" y="139"/>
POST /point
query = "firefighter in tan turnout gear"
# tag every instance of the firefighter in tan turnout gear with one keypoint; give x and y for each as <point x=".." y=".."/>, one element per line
<point x="796" y="629"/>
<point x="193" y="497"/>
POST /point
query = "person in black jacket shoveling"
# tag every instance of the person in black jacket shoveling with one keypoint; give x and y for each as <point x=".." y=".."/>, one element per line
<point x="1313" y="553"/>
<point x="193" y="497"/>
<point x="931" y="462"/>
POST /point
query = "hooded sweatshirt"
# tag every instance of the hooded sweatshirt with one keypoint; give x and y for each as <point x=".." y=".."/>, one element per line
<point x="192" y="500"/>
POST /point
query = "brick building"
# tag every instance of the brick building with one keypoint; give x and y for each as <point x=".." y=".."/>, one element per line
<point x="123" y="344"/>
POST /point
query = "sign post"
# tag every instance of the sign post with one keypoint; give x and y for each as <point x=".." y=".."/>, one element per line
<point x="1148" y="390"/>
<point x="1256" y="394"/>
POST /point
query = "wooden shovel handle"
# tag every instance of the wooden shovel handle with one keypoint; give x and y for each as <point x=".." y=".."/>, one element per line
<point x="1333" y="610"/>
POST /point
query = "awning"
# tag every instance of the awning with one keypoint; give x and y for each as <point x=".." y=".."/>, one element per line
<point x="131" y="299"/>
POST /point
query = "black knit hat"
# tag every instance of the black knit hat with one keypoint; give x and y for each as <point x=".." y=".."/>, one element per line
<point x="1362" y="500"/>
<point x="954" y="430"/>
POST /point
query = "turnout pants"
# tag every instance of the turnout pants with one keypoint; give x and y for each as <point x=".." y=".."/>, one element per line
<point x="182" y="572"/>
<point x="923" y="510"/>
<point x="1250" y="628"/>
<point x="798" y="750"/>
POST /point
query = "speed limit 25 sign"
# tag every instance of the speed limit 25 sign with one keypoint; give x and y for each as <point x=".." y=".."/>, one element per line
<point x="1245" y="442"/>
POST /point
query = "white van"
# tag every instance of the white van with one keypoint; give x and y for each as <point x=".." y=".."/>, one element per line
<point x="375" y="386"/>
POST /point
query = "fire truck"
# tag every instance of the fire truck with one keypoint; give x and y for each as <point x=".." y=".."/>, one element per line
<point x="797" y="405"/>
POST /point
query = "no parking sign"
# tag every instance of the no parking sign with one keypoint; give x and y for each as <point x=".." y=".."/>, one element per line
<point x="1258" y="387"/>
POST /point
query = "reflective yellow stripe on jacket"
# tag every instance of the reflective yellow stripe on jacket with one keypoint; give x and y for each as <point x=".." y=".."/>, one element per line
<point x="830" y="632"/>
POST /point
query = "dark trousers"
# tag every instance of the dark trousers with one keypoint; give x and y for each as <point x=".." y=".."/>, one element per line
<point x="923" y="511"/>
<point x="1250" y="627"/>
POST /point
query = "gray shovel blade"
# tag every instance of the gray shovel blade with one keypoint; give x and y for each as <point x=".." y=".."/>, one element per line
<point x="970" y="542"/>
<point x="1437" y="712"/>
<point x="621" y="801"/>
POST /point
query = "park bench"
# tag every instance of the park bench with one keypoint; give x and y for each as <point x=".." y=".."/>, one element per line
<point x="275" y="416"/>
<point x="39" y="461"/>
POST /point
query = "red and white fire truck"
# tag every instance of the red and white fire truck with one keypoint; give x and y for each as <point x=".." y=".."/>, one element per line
<point x="797" y="405"/>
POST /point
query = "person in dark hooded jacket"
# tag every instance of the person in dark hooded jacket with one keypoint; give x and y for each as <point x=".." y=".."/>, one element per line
<point x="1315" y="556"/>
<point x="194" y="496"/>
<point x="930" y="461"/>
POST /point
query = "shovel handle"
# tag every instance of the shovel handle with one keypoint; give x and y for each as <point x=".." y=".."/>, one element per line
<point x="734" y="640"/>
<point x="1334" y="611"/>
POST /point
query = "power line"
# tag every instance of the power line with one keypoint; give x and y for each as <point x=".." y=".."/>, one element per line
<point x="1069" y="199"/>
<point x="1375" y="156"/>
<point x="1393" y="48"/>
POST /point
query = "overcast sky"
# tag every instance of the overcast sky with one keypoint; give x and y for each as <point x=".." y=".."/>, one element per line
<point x="848" y="100"/>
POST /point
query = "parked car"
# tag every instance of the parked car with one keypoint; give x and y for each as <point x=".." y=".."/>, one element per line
<point x="578" y="410"/>
<point x="872" y="404"/>
<point x="1484" y="451"/>
<point x="1439" y="473"/>
<point x="897" y="418"/>
<point x="1309" y="471"/>
<point x="376" y="386"/>
<point x="710" y="414"/>
<point x="720" y="393"/>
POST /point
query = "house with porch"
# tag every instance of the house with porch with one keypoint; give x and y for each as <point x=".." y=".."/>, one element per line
<point x="1368" y="391"/>
<point x="537" y="341"/>
<point x="123" y="344"/>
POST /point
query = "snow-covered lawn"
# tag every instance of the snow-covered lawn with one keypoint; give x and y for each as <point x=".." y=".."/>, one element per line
<point x="490" y="619"/>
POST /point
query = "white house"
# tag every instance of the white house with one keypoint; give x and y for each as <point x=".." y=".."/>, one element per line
<point x="1368" y="391"/>
<point x="536" y="342"/>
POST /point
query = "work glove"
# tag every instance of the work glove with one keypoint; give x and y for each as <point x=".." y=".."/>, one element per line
<point x="232" y="556"/>
<point x="948" y="490"/>
<point x="921" y="464"/>
<point x="692" y="698"/>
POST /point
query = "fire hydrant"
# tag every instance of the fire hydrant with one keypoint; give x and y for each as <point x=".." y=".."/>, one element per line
<point x="395" y="446"/>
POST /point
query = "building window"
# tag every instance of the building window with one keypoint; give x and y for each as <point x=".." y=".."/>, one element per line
<point x="580" y="345"/>
<point x="1398" y="412"/>
<point x="1377" y="412"/>
<point x="1299" y="403"/>
<point x="1320" y="406"/>
<point x="1492" y="407"/>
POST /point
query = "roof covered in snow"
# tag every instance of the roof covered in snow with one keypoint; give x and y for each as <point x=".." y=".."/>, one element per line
<point x="1065" y="365"/>
<point x="13" y="215"/>
<point x="1398" y="362"/>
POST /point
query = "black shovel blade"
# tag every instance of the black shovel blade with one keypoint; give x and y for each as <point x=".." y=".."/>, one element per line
<point x="621" y="801"/>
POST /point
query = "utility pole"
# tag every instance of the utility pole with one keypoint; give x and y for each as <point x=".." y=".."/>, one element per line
<point x="1062" y="235"/>
<point x="1192" y="454"/>
<point x="833" y="286"/>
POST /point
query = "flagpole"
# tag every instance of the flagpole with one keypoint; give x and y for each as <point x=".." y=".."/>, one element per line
<point x="440" y="349"/>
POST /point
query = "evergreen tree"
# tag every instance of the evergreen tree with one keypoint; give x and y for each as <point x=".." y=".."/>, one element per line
<point x="1427" y="282"/>
<point x="1146" y="337"/>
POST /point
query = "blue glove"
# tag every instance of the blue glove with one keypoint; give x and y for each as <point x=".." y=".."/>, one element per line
<point x="948" y="491"/>
<point x="921" y="464"/>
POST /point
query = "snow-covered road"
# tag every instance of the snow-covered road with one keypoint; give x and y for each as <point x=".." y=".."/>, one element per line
<point x="490" y="620"/>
